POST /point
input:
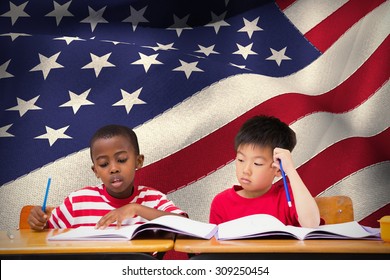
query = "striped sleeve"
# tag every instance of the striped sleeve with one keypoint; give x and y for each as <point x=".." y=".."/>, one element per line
<point x="155" y="199"/>
<point x="61" y="216"/>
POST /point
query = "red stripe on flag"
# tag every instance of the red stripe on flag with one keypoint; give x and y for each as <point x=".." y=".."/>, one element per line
<point x="283" y="4"/>
<point x="342" y="159"/>
<point x="372" y="219"/>
<point x="333" y="27"/>
<point x="216" y="150"/>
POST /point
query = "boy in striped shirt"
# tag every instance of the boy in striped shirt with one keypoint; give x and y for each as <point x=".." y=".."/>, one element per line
<point x="117" y="201"/>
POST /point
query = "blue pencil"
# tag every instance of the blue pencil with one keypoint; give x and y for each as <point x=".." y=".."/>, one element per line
<point x="285" y="184"/>
<point x="46" y="195"/>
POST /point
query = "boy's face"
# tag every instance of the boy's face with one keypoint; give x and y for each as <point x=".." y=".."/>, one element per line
<point x="115" y="162"/>
<point x="254" y="169"/>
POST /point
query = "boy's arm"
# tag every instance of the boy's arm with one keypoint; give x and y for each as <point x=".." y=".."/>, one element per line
<point x="131" y="210"/>
<point x="305" y="204"/>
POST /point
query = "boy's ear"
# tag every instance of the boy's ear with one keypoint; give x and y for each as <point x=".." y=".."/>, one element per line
<point x="277" y="171"/>
<point x="140" y="161"/>
<point x="94" y="171"/>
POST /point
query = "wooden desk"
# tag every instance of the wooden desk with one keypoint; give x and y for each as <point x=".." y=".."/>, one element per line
<point x="31" y="243"/>
<point x="283" y="248"/>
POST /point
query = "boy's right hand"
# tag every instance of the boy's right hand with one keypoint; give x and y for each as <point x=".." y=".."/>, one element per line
<point x="37" y="218"/>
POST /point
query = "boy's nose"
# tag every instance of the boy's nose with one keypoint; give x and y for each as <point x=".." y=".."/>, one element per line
<point x="114" y="169"/>
<point x="247" y="169"/>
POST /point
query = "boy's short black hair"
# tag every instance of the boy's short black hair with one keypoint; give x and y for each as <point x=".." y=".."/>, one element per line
<point x="266" y="131"/>
<point x="112" y="130"/>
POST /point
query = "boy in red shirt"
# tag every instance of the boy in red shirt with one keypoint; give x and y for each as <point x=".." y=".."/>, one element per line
<point x="261" y="142"/>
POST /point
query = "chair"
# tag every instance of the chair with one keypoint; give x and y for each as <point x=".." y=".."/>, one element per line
<point x="24" y="216"/>
<point x="335" y="209"/>
<point x="23" y="224"/>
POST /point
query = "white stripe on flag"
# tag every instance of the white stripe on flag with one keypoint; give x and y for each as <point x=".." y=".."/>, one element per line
<point x="325" y="129"/>
<point x="368" y="188"/>
<point x="306" y="14"/>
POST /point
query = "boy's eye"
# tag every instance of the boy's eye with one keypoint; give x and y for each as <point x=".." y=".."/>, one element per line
<point x="258" y="164"/>
<point x="102" y="165"/>
<point x="239" y="159"/>
<point x="122" y="160"/>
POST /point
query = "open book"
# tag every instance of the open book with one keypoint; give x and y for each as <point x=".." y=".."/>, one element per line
<point x="254" y="226"/>
<point x="168" y="223"/>
<point x="262" y="225"/>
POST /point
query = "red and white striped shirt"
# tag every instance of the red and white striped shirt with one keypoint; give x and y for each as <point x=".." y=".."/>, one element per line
<point x="88" y="205"/>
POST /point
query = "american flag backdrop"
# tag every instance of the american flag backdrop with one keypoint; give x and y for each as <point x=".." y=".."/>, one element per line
<point x="186" y="75"/>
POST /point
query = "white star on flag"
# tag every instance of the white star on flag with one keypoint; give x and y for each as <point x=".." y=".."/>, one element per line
<point x="239" y="66"/>
<point x="136" y="17"/>
<point x="16" y="12"/>
<point x="4" y="133"/>
<point x="14" y="36"/>
<point x="188" y="68"/>
<point x="68" y="39"/>
<point x="60" y="11"/>
<point x="278" y="56"/>
<point x="47" y="64"/>
<point x="206" y="50"/>
<point x="250" y="27"/>
<point x="147" y="61"/>
<point x="130" y="99"/>
<point x="217" y="22"/>
<point x="179" y="25"/>
<point x="245" y="51"/>
<point x="24" y="106"/>
<point x="115" y="42"/>
<point x="54" y="134"/>
<point x="95" y="17"/>
<point x="98" y="63"/>
<point x="76" y="101"/>
<point x="162" y="47"/>
<point x="3" y="70"/>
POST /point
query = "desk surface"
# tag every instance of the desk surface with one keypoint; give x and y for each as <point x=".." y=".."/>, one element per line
<point x="31" y="242"/>
<point x="195" y="246"/>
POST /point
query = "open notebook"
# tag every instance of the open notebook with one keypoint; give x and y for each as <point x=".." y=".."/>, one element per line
<point x="254" y="226"/>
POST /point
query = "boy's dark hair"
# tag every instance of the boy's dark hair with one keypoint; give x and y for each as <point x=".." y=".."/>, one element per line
<point x="266" y="131"/>
<point x="112" y="130"/>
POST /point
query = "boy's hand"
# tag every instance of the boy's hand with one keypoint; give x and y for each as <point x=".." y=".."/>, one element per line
<point x="286" y="158"/>
<point x="117" y="215"/>
<point x="37" y="219"/>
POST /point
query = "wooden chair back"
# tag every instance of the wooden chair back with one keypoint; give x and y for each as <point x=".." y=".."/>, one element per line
<point x="335" y="209"/>
<point x="26" y="209"/>
<point x="24" y="216"/>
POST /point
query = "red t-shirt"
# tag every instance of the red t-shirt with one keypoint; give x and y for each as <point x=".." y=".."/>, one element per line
<point x="228" y="205"/>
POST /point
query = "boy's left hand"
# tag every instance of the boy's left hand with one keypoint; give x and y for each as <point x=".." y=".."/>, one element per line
<point x="286" y="158"/>
<point x="117" y="215"/>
